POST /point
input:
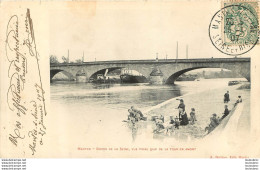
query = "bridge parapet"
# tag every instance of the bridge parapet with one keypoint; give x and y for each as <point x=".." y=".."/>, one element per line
<point x="160" y="61"/>
<point x="170" y="68"/>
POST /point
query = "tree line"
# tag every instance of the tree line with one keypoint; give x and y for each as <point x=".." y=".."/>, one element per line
<point x="54" y="60"/>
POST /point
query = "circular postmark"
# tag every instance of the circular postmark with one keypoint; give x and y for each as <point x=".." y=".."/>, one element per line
<point x="233" y="30"/>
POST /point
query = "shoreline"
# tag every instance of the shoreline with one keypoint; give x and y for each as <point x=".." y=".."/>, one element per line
<point x="210" y="101"/>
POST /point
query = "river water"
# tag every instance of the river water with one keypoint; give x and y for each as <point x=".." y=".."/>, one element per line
<point x="96" y="111"/>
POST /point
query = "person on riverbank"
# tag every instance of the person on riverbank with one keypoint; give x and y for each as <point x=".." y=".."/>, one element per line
<point x="159" y="126"/>
<point x="192" y="116"/>
<point x="172" y="122"/>
<point x="177" y="123"/>
<point x="181" y="106"/>
<point x="137" y="116"/>
<point x="239" y="100"/>
<point x="183" y="117"/>
<point x="131" y="114"/>
<point x="226" y="97"/>
<point x="161" y="118"/>
<point x="170" y="127"/>
<point x="226" y="112"/>
<point x="214" y="122"/>
<point x="137" y="111"/>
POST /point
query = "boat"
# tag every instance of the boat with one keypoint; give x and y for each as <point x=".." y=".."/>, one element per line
<point x="231" y="83"/>
<point x="100" y="79"/>
<point x="186" y="78"/>
<point x="127" y="78"/>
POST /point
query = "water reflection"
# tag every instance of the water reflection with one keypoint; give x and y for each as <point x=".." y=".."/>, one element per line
<point x="122" y="95"/>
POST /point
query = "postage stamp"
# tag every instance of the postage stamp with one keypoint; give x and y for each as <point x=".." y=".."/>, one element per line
<point x="247" y="18"/>
<point x="234" y="29"/>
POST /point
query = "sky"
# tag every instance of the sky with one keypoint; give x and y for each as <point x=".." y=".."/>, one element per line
<point x="133" y="30"/>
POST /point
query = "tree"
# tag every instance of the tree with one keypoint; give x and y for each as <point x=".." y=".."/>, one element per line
<point x="65" y="60"/>
<point x="53" y="59"/>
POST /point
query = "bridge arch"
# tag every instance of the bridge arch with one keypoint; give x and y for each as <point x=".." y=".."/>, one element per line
<point x="172" y="78"/>
<point x="102" y="71"/>
<point x="53" y="72"/>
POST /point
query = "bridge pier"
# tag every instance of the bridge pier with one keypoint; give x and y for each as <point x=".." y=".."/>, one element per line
<point x="81" y="79"/>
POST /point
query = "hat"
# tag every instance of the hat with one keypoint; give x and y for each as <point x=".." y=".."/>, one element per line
<point x="181" y="100"/>
<point x="192" y="109"/>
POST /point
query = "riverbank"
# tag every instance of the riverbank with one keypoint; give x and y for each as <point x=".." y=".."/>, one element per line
<point x="95" y="113"/>
<point x="206" y="103"/>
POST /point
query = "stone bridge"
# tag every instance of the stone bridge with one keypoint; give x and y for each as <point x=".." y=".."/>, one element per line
<point x="171" y="68"/>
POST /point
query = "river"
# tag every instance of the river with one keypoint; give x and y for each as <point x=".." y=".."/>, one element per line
<point x="95" y="111"/>
<point x="123" y="96"/>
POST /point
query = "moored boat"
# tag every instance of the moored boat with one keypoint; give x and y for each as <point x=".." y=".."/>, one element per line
<point x="231" y="83"/>
<point x="186" y="78"/>
<point x="127" y="78"/>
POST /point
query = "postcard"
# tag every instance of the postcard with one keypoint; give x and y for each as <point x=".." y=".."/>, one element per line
<point x="129" y="79"/>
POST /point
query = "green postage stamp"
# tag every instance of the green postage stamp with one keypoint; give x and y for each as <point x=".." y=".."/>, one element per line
<point x="240" y="22"/>
<point x="234" y="29"/>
